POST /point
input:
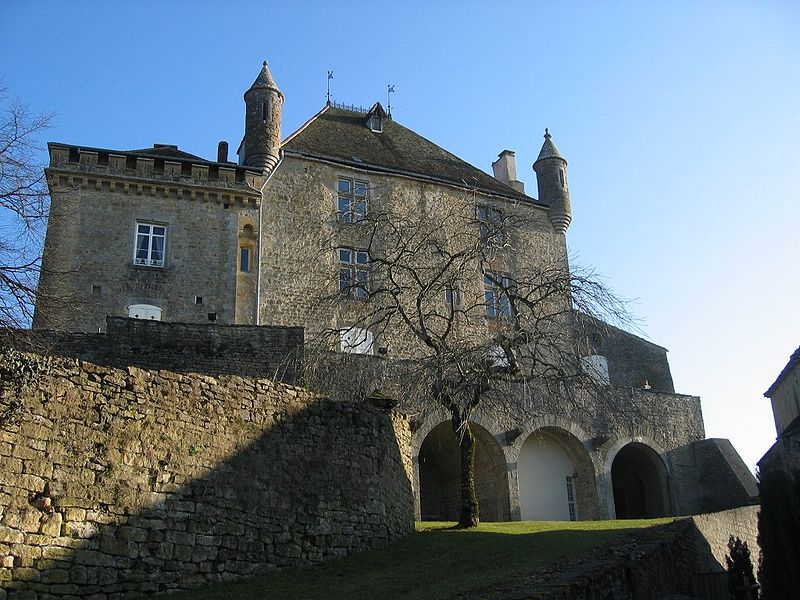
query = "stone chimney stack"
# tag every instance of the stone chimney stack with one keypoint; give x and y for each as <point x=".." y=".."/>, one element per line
<point x="505" y="170"/>
<point x="222" y="152"/>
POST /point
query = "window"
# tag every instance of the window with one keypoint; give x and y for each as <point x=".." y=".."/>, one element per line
<point x="490" y="220"/>
<point x="144" y="311"/>
<point x="244" y="259"/>
<point x="596" y="367"/>
<point x="352" y="203"/>
<point x="353" y="273"/>
<point x="573" y="514"/>
<point x="354" y="340"/>
<point x="498" y="357"/>
<point x="495" y="292"/>
<point x="150" y="242"/>
<point x="452" y="295"/>
<point x="376" y="124"/>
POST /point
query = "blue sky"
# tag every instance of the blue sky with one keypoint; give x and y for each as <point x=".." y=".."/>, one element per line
<point x="679" y="121"/>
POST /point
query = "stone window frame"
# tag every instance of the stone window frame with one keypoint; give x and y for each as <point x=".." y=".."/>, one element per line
<point x="354" y="272"/>
<point x="495" y="295"/>
<point x="245" y="248"/>
<point x="452" y="295"/>
<point x="351" y="207"/>
<point x="150" y="234"/>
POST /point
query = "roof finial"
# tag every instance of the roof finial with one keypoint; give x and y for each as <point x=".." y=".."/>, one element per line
<point x="330" y="76"/>
<point x="547" y="133"/>
<point x="264" y="63"/>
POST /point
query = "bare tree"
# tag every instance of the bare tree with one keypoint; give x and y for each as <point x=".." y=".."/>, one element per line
<point x="24" y="204"/>
<point x="451" y="287"/>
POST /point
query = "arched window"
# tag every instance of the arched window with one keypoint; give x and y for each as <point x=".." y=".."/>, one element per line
<point x="144" y="311"/>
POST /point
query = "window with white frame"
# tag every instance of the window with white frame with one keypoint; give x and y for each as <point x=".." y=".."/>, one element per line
<point x="355" y="340"/>
<point x="495" y="293"/>
<point x="353" y="273"/>
<point x="150" y="244"/>
<point x="144" y="311"/>
<point x="352" y="200"/>
<point x="490" y="220"/>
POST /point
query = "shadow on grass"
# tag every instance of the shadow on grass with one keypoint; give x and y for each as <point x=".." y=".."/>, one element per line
<point x="436" y="562"/>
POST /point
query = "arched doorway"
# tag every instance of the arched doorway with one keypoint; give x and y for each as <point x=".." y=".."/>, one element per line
<point x="639" y="481"/>
<point x="556" y="478"/>
<point x="439" y="475"/>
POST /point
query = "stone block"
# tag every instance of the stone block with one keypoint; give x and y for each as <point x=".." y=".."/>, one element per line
<point x="81" y="529"/>
<point x="25" y="574"/>
<point x="51" y="525"/>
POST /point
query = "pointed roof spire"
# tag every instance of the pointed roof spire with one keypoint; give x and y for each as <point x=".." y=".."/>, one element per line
<point x="549" y="149"/>
<point x="265" y="80"/>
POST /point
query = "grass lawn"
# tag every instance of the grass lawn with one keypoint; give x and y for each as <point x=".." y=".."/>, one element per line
<point x="434" y="563"/>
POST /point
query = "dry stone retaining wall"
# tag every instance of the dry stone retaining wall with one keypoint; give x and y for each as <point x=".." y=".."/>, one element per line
<point x="118" y="482"/>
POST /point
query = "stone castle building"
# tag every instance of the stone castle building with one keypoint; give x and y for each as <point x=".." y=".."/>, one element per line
<point x="161" y="234"/>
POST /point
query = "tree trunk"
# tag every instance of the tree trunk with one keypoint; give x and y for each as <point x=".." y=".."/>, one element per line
<point x="469" y="515"/>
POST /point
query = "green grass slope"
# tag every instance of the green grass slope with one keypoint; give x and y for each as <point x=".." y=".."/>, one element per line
<point x="435" y="563"/>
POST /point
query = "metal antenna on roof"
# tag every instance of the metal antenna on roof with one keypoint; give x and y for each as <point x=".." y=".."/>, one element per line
<point x="389" y="92"/>
<point x="330" y="76"/>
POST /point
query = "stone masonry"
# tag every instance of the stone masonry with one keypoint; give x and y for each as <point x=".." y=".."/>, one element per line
<point x="117" y="482"/>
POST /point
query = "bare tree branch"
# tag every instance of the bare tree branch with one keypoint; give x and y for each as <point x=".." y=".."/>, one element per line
<point x="470" y="321"/>
<point x="24" y="203"/>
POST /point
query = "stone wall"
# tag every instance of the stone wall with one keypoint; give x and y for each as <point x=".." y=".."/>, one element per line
<point x="677" y="560"/>
<point x="247" y="350"/>
<point x="123" y="481"/>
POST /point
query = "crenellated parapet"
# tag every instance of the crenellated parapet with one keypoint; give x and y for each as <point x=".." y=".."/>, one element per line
<point x="136" y="172"/>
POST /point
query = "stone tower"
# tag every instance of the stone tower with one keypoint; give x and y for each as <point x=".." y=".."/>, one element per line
<point x="262" y="123"/>
<point x="551" y="176"/>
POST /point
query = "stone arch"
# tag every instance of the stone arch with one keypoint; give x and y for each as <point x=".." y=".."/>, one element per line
<point x="439" y="475"/>
<point x="639" y="479"/>
<point x="556" y="477"/>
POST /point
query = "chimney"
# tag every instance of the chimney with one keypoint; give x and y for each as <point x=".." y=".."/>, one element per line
<point x="505" y="170"/>
<point x="222" y="152"/>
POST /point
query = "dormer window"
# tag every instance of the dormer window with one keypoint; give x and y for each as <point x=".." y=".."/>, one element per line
<point x="375" y="118"/>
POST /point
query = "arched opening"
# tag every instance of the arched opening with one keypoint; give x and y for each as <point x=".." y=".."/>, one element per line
<point x="639" y="481"/>
<point x="144" y="311"/>
<point x="440" y="475"/>
<point x="556" y="478"/>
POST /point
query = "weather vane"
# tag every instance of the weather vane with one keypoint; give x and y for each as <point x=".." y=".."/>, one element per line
<point x="330" y="76"/>
<point x="389" y="92"/>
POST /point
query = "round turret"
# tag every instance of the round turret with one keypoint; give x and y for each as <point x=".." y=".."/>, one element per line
<point x="262" y="123"/>
<point x="551" y="177"/>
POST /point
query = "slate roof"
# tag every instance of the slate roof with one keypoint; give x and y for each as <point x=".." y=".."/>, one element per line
<point x="793" y="360"/>
<point x="166" y="151"/>
<point x="265" y="80"/>
<point x="549" y="149"/>
<point x="342" y="136"/>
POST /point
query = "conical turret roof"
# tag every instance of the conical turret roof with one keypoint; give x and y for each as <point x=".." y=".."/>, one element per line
<point x="549" y="149"/>
<point x="265" y="80"/>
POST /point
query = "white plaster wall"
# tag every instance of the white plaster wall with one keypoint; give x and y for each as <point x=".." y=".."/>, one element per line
<point x="542" y="470"/>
